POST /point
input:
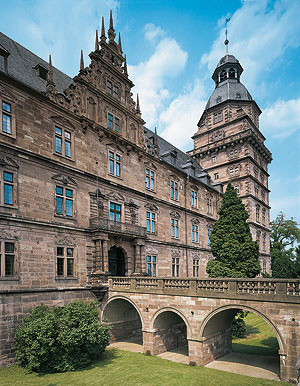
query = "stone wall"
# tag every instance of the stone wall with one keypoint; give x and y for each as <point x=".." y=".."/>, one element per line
<point x="14" y="306"/>
<point x="125" y="329"/>
<point x="216" y="346"/>
<point x="170" y="338"/>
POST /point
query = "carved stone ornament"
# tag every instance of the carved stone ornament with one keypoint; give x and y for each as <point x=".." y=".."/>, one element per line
<point x="8" y="162"/>
<point x="196" y="255"/>
<point x="63" y="121"/>
<point x="175" y="214"/>
<point x="115" y="147"/>
<point x="66" y="180"/>
<point x="8" y="234"/>
<point x="195" y="221"/>
<point x="151" y="207"/>
<point x="175" y="253"/>
<point x="150" y="165"/>
<point x="151" y="251"/>
<point x="97" y="193"/>
<point x="174" y="177"/>
<point x="65" y="241"/>
<point x="115" y="196"/>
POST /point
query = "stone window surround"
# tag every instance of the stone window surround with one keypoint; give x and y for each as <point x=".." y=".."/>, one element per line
<point x="7" y="99"/>
<point x="116" y="153"/>
<point x="65" y="183"/>
<point x="16" y="259"/>
<point x="14" y="184"/>
<point x="151" y="170"/>
<point x="64" y="128"/>
<point x="65" y="246"/>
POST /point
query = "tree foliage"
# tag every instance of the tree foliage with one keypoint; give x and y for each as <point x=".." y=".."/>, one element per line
<point x="61" y="338"/>
<point x="285" y="258"/>
<point x="236" y="254"/>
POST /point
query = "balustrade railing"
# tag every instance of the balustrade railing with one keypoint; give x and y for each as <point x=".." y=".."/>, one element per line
<point x="259" y="287"/>
<point x="107" y="225"/>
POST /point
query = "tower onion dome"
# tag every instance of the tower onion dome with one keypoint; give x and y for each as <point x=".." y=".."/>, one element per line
<point x="227" y="80"/>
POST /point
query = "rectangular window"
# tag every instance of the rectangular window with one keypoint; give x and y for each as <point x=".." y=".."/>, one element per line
<point x="257" y="213"/>
<point x="231" y="172"/>
<point x="64" y="201"/>
<point x="263" y="215"/>
<point x="8" y="188"/>
<point x="150" y="179"/>
<point x="116" y="124"/>
<point x="110" y="121"/>
<point x="6" y="118"/>
<point x="114" y="164"/>
<point x="151" y="222"/>
<point x="236" y="171"/>
<point x="218" y="117"/>
<point x="63" y="142"/>
<point x="151" y="265"/>
<point x="216" y="176"/>
<point x="214" y="160"/>
<point x="175" y="266"/>
<point x="237" y="188"/>
<point x="194" y="199"/>
<point x="109" y="87"/>
<point x="174" y="228"/>
<point x="65" y="262"/>
<point x="115" y="212"/>
<point x="174" y="190"/>
<point x="196" y="264"/>
<point x="116" y="92"/>
<point x="195" y="233"/>
<point x="208" y="235"/>
<point x="7" y="259"/>
<point x="209" y="205"/>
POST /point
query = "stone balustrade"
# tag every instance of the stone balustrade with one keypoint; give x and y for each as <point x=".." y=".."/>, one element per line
<point x="104" y="224"/>
<point x="265" y="289"/>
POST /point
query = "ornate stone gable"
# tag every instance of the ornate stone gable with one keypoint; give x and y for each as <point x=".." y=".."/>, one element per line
<point x="8" y="162"/>
<point x="63" y="179"/>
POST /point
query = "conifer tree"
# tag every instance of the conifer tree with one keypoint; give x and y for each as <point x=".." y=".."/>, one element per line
<point x="236" y="254"/>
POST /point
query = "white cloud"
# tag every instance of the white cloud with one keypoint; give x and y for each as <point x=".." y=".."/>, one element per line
<point x="150" y="77"/>
<point x="153" y="32"/>
<point x="289" y="205"/>
<point x="281" y="119"/>
<point x="181" y="116"/>
<point x="258" y="37"/>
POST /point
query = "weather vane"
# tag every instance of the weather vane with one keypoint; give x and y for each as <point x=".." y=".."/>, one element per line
<point x="226" y="40"/>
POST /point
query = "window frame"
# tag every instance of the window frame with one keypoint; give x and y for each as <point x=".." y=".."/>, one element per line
<point x="150" y="179"/>
<point x="195" y="233"/>
<point x="175" y="228"/>
<point x="175" y="270"/>
<point x="194" y="199"/>
<point x="174" y="190"/>
<point x="3" y="254"/>
<point x="65" y="199"/>
<point x="66" y="258"/>
<point x="151" y="263"/>
<point x="6" y="183"/>
<point x="115" y="162"/>
<point x="64" y="139"/>
<point x="151" y="222"/>
<point x="115" y="122"/>
<point x="8" y="100"/>
<point x="196" y="267"/>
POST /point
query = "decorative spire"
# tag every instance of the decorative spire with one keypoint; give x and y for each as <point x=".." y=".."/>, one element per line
<point x="120" y="44"/>
<point x="96" y="41"/>
<point x="125" y="66"/>
<point x="226" y="39"/>
<point x="103" y="37"/>
<point x="81" y="61"/>
<point x="155" y="142"/>
<point x="50" y="71"/>
<point x="138" y="110"/>
<point x="50" y="86"/>
<point x="111" y="31"/>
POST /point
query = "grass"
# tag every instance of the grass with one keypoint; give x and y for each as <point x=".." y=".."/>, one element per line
<point x="260" y="338"/>
<point x="119" y="368"/>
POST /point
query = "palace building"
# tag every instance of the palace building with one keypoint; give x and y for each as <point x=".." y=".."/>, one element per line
<point x="87" y="191"/>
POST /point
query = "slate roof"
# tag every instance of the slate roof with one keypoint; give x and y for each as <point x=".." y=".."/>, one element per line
<point x="22" y="63"/>
<point x="228" y="90"/>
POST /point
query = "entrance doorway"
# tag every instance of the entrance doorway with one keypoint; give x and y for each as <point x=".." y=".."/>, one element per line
<point x="116" y="262"/>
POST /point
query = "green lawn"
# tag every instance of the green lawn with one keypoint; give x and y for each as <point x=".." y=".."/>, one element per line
<point x="260" y="338"/>
<point x="122" y="368"/>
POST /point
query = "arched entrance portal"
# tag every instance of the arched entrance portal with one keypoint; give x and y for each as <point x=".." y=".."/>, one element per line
<point x="216" y="334"/>
<point x="116" y="262"/>
<point x="170" y="333"/>
<point x="123" y="318"/>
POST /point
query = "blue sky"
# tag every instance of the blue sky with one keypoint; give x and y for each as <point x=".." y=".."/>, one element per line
<point x="172" y="49"/>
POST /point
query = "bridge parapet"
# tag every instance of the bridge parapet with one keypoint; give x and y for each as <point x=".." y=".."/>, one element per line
<point x="265" y="289"/>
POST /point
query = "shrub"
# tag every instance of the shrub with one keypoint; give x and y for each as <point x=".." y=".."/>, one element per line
<point x="238" y="325"/>
<point x="60" y="339"/>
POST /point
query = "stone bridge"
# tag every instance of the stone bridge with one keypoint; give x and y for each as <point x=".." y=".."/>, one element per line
<point x="167" y="313"/>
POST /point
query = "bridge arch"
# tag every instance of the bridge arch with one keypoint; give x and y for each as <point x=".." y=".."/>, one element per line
<point x="124" y="316"/>
<point x="170" y="309"/>
<point x="242" y="307"/>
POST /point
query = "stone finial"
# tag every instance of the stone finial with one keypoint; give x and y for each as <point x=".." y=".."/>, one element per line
<point x="111" y="31"/>
<point x="125" y="66"/>
<point x="138" y="110"/>
<point x="81" y="61"/>
<point x="103" y="37"/>
<point x="120" y="44"/>
<point x="96" y="41"/>
<point x="155" y="141"/>
<point x="50" y="86"/>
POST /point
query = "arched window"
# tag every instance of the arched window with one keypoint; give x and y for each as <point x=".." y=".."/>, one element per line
<point x="238" y="95"/>
<point x="219" y="99"/>
<point x="223" y="75"/>
<point x="231" y="73"/>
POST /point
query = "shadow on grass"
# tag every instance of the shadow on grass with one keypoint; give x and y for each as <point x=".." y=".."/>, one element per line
<point x="253" y="350"/>
<point x="106" y="358"/>
<point x="271" y="342"/>
<point x="251" y="330"/>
